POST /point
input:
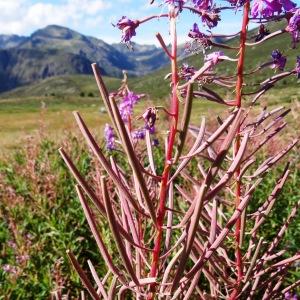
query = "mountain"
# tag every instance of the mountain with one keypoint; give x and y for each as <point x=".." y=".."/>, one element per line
<point x="10" y="41"/>
<point x="154" y="84"/>
<point x="56" y="51"/>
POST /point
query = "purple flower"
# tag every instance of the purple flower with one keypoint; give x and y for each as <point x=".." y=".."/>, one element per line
<point x="150" y="128"/>
<point x="126" y="106"/>
<point x="203" y="4"/>
<point x="287" y="296"/>
<point x="198" y="36"/>
<point x="279" y="60"/>
<point x="298" y="66"/>
<point x="237" y="3"/>
<point x="128" y="28"/>
<point x="138" y="134"/>
<point x="109" y="136"/>
<point x="214" y="57"/>
<point x="294" y="27"/>
<point x="186" y="71"/>
<point x="12" y="244"/>
<point x="210" y="18"/>
<point x="195" y="32"/>
<point x="10" y="269"/>
<point x="155" y="142"/>
<point x="22" y="259"/>
<point x="265" y="8"/>
<point x="150" y="116"/>
<point x="290" y="296"/>
<point x="287" y="4"/>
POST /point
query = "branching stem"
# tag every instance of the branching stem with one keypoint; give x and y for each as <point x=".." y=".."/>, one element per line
<point x="165" y="176"/>
<point x="239" y="85"/>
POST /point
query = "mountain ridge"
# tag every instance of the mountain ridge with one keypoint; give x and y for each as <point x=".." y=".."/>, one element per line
<point x="57" y="51"/>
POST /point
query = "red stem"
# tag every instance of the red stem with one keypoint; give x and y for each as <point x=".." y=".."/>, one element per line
<point x="239" y="85"/>
<point x="165" y="176"/>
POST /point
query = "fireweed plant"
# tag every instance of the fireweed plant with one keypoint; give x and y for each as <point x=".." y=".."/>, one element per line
<point x="178" y="234"/>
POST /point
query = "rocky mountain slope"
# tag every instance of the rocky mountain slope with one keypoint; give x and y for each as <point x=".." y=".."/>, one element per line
<point x="56" y="51"/>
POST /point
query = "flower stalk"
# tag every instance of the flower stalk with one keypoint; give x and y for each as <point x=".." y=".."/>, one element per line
<point x="174" y="108"/>
<point x="239" y="85"/>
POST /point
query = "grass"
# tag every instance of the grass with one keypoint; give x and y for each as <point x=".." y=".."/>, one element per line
<point x="40" y="216"/>
<point x="20" y="117"/>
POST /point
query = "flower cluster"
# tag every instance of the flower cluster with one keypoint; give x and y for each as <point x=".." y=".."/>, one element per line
<point x="126" y="106"/>
<point x="214" y="57"/>
<point x="186" y="72"/>
<point x="139" y="134"/>
<point x="237" y="3"/>
<point x="10" y="269"/>
<point x="203" y="4"/>
<point x="109" y="136"/>
<point x="279" y="60"/>
<point x="290" y="296"/>
<point x="268" y="8"/>
<point x="210" y="18"/>
<point x="150" y="116"/>
<point x="200" y="37"/>
<point x="297" y="68"/>
<point x="294" y="27"/>
<point x="128" y="28"/>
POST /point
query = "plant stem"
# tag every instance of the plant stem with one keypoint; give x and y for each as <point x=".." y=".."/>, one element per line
<point x="168" y="160"/>
<point x="239" y="85"/>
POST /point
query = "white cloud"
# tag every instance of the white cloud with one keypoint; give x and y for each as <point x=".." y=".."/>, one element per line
<point x="24" y="16"/>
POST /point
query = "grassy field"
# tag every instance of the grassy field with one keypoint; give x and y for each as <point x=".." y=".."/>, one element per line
<point x="23" y="116"/>
<point x="21" y="113"/>
<point x="52" y="116"/>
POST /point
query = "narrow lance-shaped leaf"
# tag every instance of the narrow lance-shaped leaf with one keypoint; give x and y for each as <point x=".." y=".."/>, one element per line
<point x="97" y="280"/>
<point x="169" y="218"/>
<point x="105" y="164"/>
<point x="102" y="248"/>
<point x="82" y="276"/>
<point x="115" y="231"/>
<point x="235" y="164"/>
<point x="253" y="260"/>
<point x="266" y="166"/>
<point x="264" y="211"/>
<point x="133" y="160"/>
<point x="197" y="143"/>
<point x="213" y="226"/>
<point x="281" y="232"/>
<point x="184" y="121"/>
<point x="80" y="180"/>
<point x="219" y="240"/>
<point x="150" y="152"/>
<point x="103" y="91"/>
<point x="112" y="290"/>
<point x="190" y="235"/>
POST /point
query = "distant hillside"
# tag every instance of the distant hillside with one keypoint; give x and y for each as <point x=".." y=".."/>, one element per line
<point x="153" y="83"/>
<point x="10" y="41"/>
<point x="56" y="51"/>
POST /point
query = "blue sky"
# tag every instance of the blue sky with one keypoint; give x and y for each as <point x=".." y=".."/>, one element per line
<point x="94" y="17"/>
